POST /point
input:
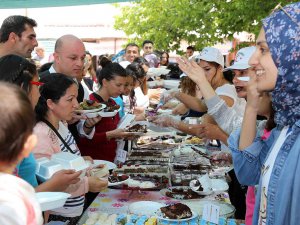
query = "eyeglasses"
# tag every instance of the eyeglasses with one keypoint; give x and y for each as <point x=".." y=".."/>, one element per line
<point x="36" y="83"/>
<point x="279" y="7"/>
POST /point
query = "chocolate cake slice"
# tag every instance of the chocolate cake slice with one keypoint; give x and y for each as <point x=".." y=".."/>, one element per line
<point x="176" y="211"/>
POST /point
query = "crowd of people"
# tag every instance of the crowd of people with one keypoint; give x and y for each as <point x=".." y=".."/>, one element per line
<point x="254" y="116"/>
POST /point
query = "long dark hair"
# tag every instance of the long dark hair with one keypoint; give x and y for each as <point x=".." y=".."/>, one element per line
<point x="136" y="71"/>
<point x="17" y="70"/>
<point x="55" y="86"/>
<point x="17" y="121"/>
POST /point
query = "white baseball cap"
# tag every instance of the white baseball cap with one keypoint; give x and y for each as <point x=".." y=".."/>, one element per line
<point x="211" y="54"/>
<point x="241" y="59"/>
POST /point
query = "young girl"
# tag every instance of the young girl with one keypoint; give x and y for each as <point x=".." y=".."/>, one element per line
<point x="17" y="198"/>
<point x="136" y="76"/>
<point x="112" y="79"/>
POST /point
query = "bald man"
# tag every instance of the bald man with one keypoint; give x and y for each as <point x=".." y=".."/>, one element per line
<point x="69" y="54"/>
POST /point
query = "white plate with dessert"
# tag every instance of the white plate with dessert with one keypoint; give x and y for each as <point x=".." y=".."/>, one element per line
<point x="90" y="106"/>
<point x="177" y="212"/>
<point x="181" y="193"/>
<point x="117" y="179"/>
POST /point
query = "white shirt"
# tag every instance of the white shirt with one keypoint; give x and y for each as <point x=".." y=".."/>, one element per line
<point x="18" y="204"/>
<point x="141" y="99"/>
<point x="267" y="171"/>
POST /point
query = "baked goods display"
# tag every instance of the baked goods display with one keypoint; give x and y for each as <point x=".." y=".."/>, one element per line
<point x="89" y="105"/>
<point x="176" y="211"/>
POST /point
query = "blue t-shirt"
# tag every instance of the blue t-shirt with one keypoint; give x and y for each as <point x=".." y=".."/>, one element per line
<point x="26" y="170"/>
<point x="120" y="102"/>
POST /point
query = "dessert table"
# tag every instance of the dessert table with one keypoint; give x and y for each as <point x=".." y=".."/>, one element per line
<point x="117" y="201"/>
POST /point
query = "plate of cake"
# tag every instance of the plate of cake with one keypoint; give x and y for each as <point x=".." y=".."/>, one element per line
<point x="181" y="193"/>
<point x="117" y="179"/>
<point x="137" y="129"/>
<point x="176" y="212"/>
<point x="90" y="106"/>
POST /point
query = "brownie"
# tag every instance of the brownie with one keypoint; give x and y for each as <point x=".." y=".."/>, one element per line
<point x="177" y="211"/>
<point x="138" y="128"/>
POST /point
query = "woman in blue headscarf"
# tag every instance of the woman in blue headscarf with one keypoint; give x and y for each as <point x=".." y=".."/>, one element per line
<point x="274" y="164"/>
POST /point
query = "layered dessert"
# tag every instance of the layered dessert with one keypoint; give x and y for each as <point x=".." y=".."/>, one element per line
<point x="182" y="193"/>
<point x="176" y="211"/>
<point x="138" y="128"/>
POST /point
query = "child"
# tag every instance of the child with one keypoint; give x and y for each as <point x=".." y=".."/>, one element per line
<point x="18" y="205"/>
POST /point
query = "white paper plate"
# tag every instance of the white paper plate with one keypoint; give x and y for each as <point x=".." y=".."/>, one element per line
<point x="118" y="183"/>
<point x="226" y="210"/>
<point x="148" y="208"/>
<point x="109" y="164"/>
<point x="103" y="106"/>
<point x="51" y="200"/>
<point x="108" y="114"/>
<point x="217" y="186"/>
<point x="160" y="217"/>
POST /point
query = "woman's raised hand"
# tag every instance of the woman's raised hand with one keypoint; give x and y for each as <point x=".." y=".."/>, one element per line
<point x="192" y="69"/>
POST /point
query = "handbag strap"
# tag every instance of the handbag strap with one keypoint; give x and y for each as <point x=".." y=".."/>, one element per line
<point x="58" y="135"/>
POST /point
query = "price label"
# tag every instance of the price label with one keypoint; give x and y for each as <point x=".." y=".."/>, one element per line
<point x="211" y="213"/>
<point x="121" y="155"/>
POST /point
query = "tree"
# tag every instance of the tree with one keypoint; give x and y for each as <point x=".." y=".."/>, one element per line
<point x="198" y="22"/>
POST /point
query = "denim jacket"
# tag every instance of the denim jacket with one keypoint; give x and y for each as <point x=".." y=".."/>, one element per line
<point x="283" y="205"/>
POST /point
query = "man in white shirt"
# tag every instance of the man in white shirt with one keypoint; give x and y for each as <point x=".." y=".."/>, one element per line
<point x="69" y="55"/>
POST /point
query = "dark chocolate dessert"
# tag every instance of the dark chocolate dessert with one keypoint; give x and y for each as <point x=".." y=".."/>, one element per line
<point x="138" y="128"/>
<point x="177" y="211"/>
<point x="117" y="178"/>
<point x="182" y="193"/>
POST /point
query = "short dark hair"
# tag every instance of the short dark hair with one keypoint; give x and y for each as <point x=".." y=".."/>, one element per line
<point x="54" y="87"/>
<point x="131" y="44"/>
<point x="110" y="71"/>
<point x="17" y="70"/>
<point x="17" y="121"/>
<point x="191" y="47"/>
<point x="147" y="42"/>
<point x="15" y="24"/>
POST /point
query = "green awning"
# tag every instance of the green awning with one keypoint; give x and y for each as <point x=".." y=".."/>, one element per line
<point x="12" y="4"/>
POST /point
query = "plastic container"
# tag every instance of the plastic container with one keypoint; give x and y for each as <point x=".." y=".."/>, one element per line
<point x="51" y="200"/>
<point x="71" y="161"/>
<point x="39" y="162"/>
<point x="47" y="169"/>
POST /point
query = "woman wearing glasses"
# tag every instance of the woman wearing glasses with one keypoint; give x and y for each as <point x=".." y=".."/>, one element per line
<point x="274" y="163"/>
<point x="112" y="80"/>
<point x="17" y="70"/>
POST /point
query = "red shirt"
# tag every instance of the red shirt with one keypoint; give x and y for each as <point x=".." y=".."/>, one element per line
<point x="100" y="147"/>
